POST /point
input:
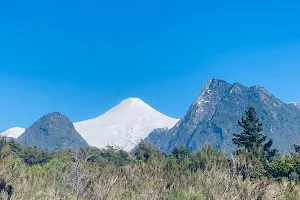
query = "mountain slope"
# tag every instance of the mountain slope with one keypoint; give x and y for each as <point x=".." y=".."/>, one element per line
<point x="124" y="125"/>
<point x="53" y="131"/>
<point x="296" y="104"/>
<point x="13" y="132"/>
<point x="214" y="114"/>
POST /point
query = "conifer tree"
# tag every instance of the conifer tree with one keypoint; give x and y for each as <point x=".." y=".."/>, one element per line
<point x="251" y="137"/>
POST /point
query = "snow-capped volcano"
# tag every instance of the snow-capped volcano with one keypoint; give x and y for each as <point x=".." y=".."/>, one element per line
<point x="13" y="132"/>
<point x="124" y="125"/>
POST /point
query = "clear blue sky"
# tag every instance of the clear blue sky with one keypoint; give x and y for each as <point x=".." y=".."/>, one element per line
<point x="82" y="57"/>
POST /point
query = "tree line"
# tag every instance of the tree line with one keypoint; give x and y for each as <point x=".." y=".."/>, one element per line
<point x="256" y="170"/>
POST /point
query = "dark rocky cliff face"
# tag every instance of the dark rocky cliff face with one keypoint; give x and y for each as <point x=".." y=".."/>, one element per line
<point x="53" y="131"/>
<point x="213" y="117"/>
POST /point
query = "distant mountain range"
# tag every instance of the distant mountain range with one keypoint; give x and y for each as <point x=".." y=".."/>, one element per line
<point x="213" y="117"/>
<point x="123" y="126"/>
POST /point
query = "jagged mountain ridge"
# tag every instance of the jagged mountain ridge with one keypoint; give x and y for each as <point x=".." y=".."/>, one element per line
<point x="53" y="131"/>
<point x="296" y="104"/>
<point x="213" y="116"/>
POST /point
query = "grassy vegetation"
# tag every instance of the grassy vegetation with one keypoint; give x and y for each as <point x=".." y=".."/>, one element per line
<point x="92" y="173"/>
<point x="207" y="174"/>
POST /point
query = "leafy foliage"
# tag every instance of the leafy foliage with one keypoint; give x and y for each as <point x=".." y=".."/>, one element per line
<point x="110" y="155"/>
<point x="147" y="152"/>
<point x="180" y="152"/>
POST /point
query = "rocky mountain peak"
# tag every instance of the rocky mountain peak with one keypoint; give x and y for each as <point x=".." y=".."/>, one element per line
<point x="213" y="117"/>
<point x="210" y="95"/>
<point x="212" y="84"/>
<point x="53" y="131"/>
<point x="53" y="122"/>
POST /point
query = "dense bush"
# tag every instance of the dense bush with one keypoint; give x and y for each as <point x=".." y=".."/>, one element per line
<point x="110" y="173"/>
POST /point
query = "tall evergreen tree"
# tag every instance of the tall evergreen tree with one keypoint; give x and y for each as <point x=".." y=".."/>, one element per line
<point x="251" y="137"/>
<point x="255" y="150"/>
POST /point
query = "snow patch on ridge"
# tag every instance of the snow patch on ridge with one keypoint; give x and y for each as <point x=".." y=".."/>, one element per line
<point x="296" y="104"/>
<point x="14" y="132"/>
